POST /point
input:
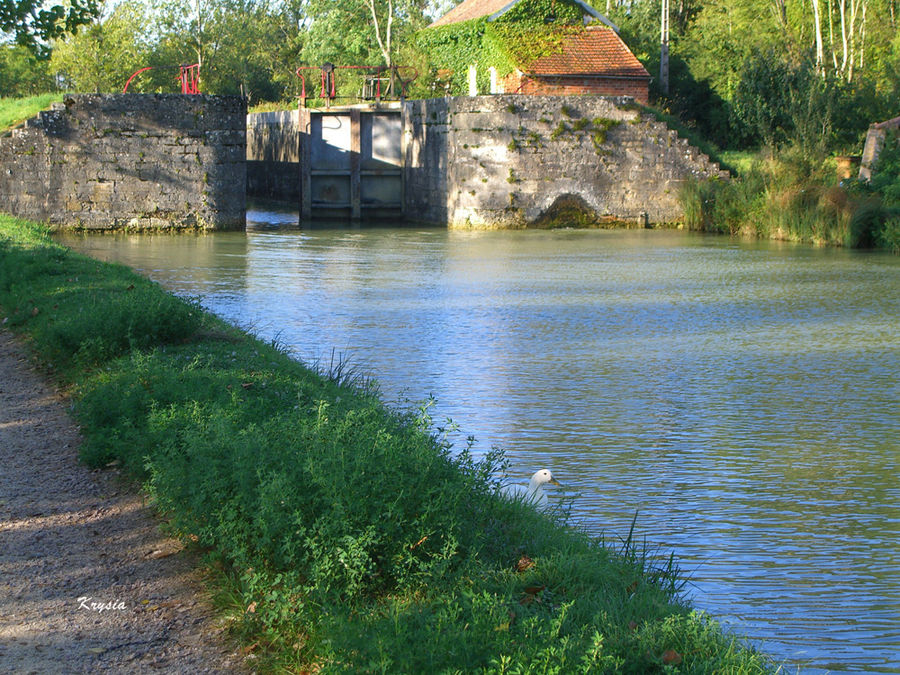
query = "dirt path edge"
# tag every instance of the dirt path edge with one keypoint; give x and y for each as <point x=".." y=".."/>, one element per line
<point x="87" y="581"/>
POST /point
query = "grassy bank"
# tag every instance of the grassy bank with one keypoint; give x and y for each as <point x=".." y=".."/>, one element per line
<point x="794" y="198"/>
<point x="13" y="111"/>
<point x="343" y="536"/>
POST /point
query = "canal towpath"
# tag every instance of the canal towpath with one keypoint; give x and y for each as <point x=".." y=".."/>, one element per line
<point x="87" y="580"/>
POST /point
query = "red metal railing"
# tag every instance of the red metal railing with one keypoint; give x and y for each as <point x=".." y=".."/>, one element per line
<point x="188" y="77"/>
<point x="374" y="75"/>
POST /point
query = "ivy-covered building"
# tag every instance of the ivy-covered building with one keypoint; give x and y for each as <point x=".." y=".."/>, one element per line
<point x="546" y="47"/>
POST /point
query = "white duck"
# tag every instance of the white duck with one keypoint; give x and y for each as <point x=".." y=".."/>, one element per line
<point x="534" y="493"/>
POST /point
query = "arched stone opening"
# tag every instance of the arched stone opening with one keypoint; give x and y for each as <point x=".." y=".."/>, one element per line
<point x="572" y="210"/>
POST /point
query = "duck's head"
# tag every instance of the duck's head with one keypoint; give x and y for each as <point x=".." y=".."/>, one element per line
<point x="543" y="477"/>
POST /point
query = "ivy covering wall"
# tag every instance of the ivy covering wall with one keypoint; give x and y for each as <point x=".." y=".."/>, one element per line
<point x="530" y="30"/>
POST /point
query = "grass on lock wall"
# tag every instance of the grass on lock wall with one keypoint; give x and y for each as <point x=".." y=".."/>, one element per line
<point x="343" y="536"/>
<point x="14" y="111"/>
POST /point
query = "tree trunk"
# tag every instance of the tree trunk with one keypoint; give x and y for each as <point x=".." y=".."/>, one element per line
<point x="842" y="7"/>
<point x="817" y="23"/>
<point x="384" y="43"/>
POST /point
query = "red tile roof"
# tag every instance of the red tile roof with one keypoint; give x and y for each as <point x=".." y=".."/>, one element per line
<point x="597" y="50"/>
<point x="470" y="9"/>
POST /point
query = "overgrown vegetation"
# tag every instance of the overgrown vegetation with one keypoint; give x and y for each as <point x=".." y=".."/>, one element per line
<point x="348" y="537"/>
<point x="746" y="73"/>
<point x="791" y="197"/>
<point x="530" y="30"/>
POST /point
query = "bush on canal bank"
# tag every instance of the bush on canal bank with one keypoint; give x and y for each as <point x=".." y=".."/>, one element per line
<point x="345" y="536"/>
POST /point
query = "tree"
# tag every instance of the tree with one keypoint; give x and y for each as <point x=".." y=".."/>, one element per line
<point x="762" y="99"/>
<point x="22" y="73"/>
<point x="33" y="25"/>
<point x="242" y="46"/>
<point x="102" y="55"/>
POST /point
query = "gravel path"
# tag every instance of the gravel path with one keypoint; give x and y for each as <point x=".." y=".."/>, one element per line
<point x="87" y="582"/>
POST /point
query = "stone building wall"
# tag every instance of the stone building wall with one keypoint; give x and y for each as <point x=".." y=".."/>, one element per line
<point x="112" y="161"/>
<point x="519" y="161"/>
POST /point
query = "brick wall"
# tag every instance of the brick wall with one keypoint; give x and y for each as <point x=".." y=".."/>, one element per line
<point x="638" y="89"/>
<point x="129" y="161"/>
<point x="519" y="161"/>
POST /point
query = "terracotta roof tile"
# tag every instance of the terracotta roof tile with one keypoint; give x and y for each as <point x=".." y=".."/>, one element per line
<point x="597" y="50"/>
<point x="470" y="9"/>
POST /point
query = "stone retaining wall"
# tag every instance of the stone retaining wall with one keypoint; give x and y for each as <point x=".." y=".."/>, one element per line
<point x="112" y="161"/>
<point x="518" y="161"/>
<point x="875" y="139"/>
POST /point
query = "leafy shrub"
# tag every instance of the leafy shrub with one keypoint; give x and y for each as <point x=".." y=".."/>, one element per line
<point x="889" y="238"/>
<point x="865" y="224"/>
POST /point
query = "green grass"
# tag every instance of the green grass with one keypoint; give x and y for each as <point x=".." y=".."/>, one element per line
<point x="14" y="111"/>
<point x="273" y="106"/>
<point x="739" y="162"/>
<point x="344" y="536"/>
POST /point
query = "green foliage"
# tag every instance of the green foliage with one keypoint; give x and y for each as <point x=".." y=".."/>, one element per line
<point x="22" y="73"/>
<point x="103" y="54"/>
<point x="866" y="223"/>
<point x="794" y="198"/>
<point x="762" y="98"/>
<point x="451" y="49"/>
<point x="235" y="42"/>
<point x="780" y="102"/>
<point x="886" y="172"/>
<point x="559" y="130"/>
<point x="345" y="33"/>
<point x="84" y="324"/>
<point x="787" y="98"/>
<point x="889" y="237"/>
<point x="350" y="537"/>
<point x="536" y="14"/>
<point x="530" y="30"/>
<point x="34" y="23"/>
<point x="599" y="127"/>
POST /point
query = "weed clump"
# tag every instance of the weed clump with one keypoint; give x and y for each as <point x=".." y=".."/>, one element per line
<point x="794" y="198"/>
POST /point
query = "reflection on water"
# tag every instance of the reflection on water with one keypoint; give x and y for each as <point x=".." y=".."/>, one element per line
<point x="742" y="398"/>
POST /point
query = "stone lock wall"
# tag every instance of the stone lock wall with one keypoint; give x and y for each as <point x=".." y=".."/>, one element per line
<point x="519" y="161"/>
<point x="112" y="161"/>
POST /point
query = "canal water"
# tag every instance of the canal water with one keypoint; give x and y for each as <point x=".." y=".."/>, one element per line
<point x="740" y="398"/>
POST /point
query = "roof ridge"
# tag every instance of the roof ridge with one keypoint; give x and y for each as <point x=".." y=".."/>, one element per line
<point x="468" y="10"/>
